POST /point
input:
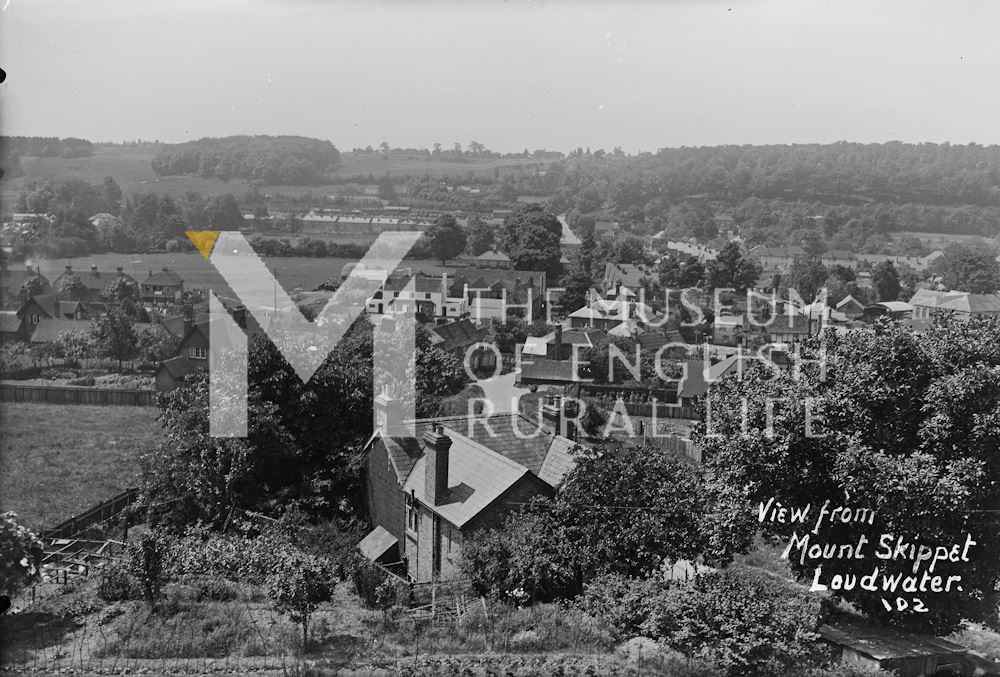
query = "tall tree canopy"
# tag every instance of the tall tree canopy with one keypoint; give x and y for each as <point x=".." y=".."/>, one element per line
<point x="911" y="432"/>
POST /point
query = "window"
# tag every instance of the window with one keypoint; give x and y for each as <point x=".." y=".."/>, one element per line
<point x="412" y="514"/>
<point x="427" y="296"/>
<point x="197" y="353"/>
<point x="34" y="319"/>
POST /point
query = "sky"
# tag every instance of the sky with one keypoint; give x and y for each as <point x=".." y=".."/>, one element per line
<point x="512" y="75"/>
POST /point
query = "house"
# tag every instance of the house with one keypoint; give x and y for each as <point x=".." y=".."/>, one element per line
<point x="457" y="338"/>
<point x="494" y="259"/>
<point x="785" y="328"/>
<point x="12" y="327"/>
<point x="422" y="294"/>
<point x="838" y="257"/>
<point x="778" y="258"/>
<point x="497" y="293"/>
<point x="905" y="653"/>
<point x="432" y="483"/>
<point x="618" y="276"/>
<point x="727" y="330"/>
<point x="12" y="280"/>
<point x="896" y="310"/>
<point x="94" y="281"/>
<point x="163" y="287"/>
<point x="852" y="308"/>
<point x="963" y="305"/>
<point x="59" y="306"/>
<point x="169" y="373"/>
<point x="559" y="344"/>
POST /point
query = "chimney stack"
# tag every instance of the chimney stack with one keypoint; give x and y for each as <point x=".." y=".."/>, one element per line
<point x="119" y="269"/>
<point x="93" y="269"/>
<point x="55" y="307"/>
<point x="436" y="451"/>
<point x="69" y="268"/>
<point x="552" y="415"/>
<point x="388" y="412"/>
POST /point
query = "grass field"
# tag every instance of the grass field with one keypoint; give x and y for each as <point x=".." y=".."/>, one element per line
<point x="58" y="460"/>
<point x="130" y="167"/>
<point x="291" y="271"/>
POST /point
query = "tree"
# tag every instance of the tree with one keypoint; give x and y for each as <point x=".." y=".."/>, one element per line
<point x="446" y="238"/>
<point x="681" y="271"/>
<point x="807" y="278"/>
<point x="480" y="237"/>
<point x="32" y="286"/>
<point x="969" y="271"/>
<point x="224" y="213"/>
<point x="298" y="585"/>
<point x="903" y="435"/>
<point x="732" y="269"/>
<point x="743" y="621"/>
<point x="124" y="292"/>
<point x="623" y="508"/>
<point x="885" y="281"/>
<point x="115" y="335"/>
<point x="20" y="555"/>
<point x="73" y="285"/>
<point x="531" y="238"/>
<point x="76" y="345"/>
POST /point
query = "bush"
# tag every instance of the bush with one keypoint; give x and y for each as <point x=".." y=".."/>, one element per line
<point x="744" y="622"/>
<point x="116" y="584"/>
<point x="214" y="589"/>
<point x="81" y="381"/>
<point x="624" y="604"/>
<point x="20" y="554"/>
<point x="368" y="578"/>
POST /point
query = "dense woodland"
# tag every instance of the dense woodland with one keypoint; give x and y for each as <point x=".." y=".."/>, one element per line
<point x="288" y="160"/>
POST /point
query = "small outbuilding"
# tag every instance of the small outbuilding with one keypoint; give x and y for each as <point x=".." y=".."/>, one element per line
<point x="906" y="653"/>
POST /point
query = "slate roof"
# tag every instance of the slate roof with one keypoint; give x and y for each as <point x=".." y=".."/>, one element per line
<point x="94" y="280"/>
<point x="932" y="297"/>
<point x="179" y="366"/>
<point x="67" y="306"/>
<point x="626" y="274"/>
<point x="493" y="256"/>
<point x="477" y="476"/>
<point x="49" y="329"/>
<point x="377" y="543"/>
<point x="972" y="303"/>
<point x="164" y="278"/>
<point x="554" y="371"/>
<point x="9" y="322"/>
<point x="457" y="335"/>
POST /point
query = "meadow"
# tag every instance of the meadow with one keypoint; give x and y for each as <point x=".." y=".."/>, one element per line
<point x="292" y="272"/>
<point x="58" y="460"/>
<point x="130" y="167"/>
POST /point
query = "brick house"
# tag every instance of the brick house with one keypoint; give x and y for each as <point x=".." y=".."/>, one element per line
<point x="95" y="281"/>
<point x="431" y="483"/>
<point x="163" y="287"/>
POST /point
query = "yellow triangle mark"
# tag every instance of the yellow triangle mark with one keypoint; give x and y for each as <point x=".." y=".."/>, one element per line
<point x="204" y="240"/>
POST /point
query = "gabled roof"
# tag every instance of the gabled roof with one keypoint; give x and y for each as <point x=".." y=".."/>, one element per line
<point x="456" y="335"/>
<point x="972" y="303"/>
<point x="178" y="367"/>
<point x="95" y="280"/>
<point x="779" y="252"/>
<point x="932" y="297"/>
<point x="477" y="476"/>
<point x="67" y="306"/>
<point x="48" y="329"/>
<point x="493" y="255"/>
<point x="555" y="371"/>
<point x="165" y="277"/>
<point x="847" y="300"/>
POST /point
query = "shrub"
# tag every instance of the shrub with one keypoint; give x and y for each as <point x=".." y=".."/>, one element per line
<point x="368" y="578"/>
<point x="744" y="622"/>
<point x="148" y="562"/>
<point x="116" y="584"/>
<point x="624" y="604"/>
<point x="298" y="584"/>
<point x="20" y="554"/>
<point x="81" y="381"/>
<point x="214" y="589"/>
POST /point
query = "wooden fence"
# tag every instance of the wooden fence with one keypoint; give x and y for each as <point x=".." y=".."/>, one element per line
<point x="13" y="391"/>
<point x="104" y="511"/>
